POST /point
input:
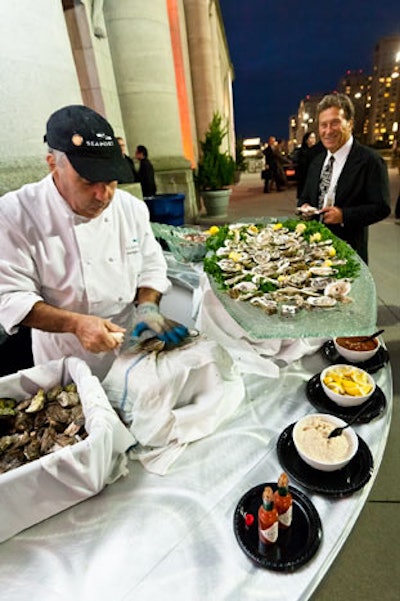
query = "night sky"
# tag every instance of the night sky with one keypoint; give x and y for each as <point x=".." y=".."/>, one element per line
<point x="282" y="51"/>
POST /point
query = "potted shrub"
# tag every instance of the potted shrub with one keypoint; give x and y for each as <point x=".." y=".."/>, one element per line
<point x="216" y="169"/>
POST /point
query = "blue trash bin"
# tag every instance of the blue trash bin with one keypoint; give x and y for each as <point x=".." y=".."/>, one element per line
<point x="166" y="208"/>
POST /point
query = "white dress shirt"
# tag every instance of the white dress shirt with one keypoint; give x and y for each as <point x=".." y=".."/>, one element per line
<point x="340" y="157"/>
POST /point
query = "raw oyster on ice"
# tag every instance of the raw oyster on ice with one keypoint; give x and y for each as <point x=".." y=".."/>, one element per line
<point x="270" y="265"/>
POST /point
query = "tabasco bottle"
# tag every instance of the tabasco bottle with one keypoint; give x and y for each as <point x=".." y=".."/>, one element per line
<point x="283" y="502"/>
<point x="267" y="521"/>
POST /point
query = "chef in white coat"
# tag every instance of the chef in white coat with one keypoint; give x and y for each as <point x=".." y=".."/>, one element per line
<point x="78" y="260"/>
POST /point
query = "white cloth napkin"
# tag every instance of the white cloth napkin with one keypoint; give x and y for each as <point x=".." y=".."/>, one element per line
<point x="173" y="398"/>
<point x="252" y="356"/>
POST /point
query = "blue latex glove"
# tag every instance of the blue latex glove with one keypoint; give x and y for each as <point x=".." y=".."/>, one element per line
<point x="149" y="323"/>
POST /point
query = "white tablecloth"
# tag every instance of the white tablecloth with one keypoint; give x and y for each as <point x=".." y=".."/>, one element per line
<point x="170" y="537"/>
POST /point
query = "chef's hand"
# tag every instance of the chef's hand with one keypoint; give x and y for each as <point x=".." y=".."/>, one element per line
<point x="98" y="335"/>
<point x="332" y="215"/>
<point x="149" y="323"/>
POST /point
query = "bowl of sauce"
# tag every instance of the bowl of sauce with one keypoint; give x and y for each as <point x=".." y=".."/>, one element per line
<point x="356" y="349"/>
<point x="310" y="437"/>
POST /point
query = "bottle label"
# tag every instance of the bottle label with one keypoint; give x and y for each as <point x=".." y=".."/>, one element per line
<point x="286" y="518"/>
<point x="270" y="535"/>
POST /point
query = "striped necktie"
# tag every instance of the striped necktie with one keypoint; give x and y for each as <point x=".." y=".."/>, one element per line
<point x="325" y="181"/>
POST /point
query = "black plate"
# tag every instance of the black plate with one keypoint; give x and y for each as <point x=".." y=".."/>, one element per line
<point x="295" y="546"/>
<point x="380" y="358"/>
<point x="340" y="483"/>
<point x="317" y="397"/>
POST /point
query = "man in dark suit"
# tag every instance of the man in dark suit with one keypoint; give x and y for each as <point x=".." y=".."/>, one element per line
<point x="350" y="190"/>
<point x="271" y="165"/>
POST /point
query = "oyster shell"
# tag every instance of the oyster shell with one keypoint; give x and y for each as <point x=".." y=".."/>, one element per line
<point x="57" y="416"/>
<point x="321" y="301"/>
<point x="268" y="305"/>
<point x="32" y="450"/>
<point x="229" y="265"/>
<point x="245" y="287"/>
<point x="68" y="398"/>
<point x="235" y="279"/>
<point x="320" y="283"/>
<point x="7" y="407"/>
<point x="54" y="392"/>
<point x="338" y="289"/>
<point x="37" y="402"/>
<point x="41" y="426"/>
<point x="322" y="271"/>
<point x="299" y="278"/>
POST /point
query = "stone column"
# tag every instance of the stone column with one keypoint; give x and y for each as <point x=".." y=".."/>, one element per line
<point x="140" y="43"/>
<point x="38" y="76"/>
<point x="201" y="51"/>
<point x="82" y="46"/>
<point x="222" y="77"/>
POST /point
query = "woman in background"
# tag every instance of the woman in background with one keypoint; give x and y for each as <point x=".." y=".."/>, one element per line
<point x="308" y="150"/>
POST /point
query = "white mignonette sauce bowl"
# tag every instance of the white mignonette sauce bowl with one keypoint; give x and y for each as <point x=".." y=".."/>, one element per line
<point x="310" y="437"/>
<point x="347" y="385"/>
<point x="356" y="348"/>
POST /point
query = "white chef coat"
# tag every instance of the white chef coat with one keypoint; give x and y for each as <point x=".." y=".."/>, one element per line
<point x="90" y="266"/>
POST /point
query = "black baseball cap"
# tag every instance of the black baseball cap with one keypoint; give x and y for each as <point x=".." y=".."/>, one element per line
<point x="89" y="143"/>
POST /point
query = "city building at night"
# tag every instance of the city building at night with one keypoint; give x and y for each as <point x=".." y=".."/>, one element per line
<point x="376" y="99"/>
<point x="384" y="111"/>
<point x="357" y="85"/>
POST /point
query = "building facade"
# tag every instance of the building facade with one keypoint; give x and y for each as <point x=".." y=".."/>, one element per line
<point x="384" y="118"/>
<point x="304" y="121"/>
<point x="357" y="86"/>
<point x="157" y="70"/>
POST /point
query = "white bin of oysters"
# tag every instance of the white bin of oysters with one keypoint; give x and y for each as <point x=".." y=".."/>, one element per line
<point x="60" y="442"/>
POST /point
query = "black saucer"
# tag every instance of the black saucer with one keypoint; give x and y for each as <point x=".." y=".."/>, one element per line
<point x="341" y="483"/>
<point x="378" y="361"/>
<point x="317" y="397"/>
<point x="295" y="546"/>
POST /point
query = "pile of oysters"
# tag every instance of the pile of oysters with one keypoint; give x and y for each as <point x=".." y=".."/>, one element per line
<point x="39" y="425"/>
